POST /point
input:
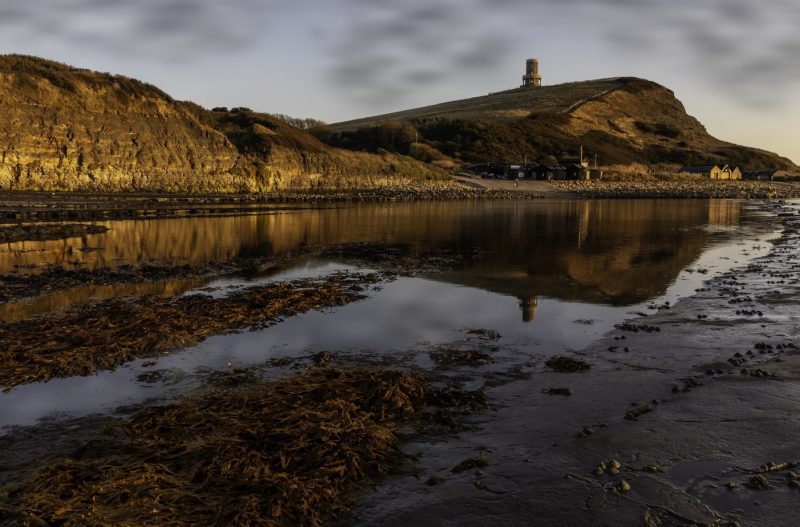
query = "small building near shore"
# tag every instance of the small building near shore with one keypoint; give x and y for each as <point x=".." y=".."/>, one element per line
<point x="759" y="175"/>
<point x="575" y="171"/>
<point x="502" y="170"/>
<point x="707" y="171"/>
<point x="714" y="171"/>
<point x="551" y="172"/>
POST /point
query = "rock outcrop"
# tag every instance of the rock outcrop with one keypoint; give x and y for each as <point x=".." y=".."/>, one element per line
<point x="64" y="128"/>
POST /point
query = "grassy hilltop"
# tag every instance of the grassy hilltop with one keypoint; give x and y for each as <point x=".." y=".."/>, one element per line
<point x="622" y="120"/>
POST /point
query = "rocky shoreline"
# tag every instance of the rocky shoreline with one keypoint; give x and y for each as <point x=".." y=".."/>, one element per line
<point x="681" y="189"/>
<point x="19" y="207"/>
<point x="76" y="206"/>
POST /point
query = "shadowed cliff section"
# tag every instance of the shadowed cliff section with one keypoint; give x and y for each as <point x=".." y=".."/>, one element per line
<point x="65" y="128"/>
<point x="622" y="120"/>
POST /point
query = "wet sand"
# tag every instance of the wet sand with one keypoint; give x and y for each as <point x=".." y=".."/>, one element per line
<point x="709" y="422"/>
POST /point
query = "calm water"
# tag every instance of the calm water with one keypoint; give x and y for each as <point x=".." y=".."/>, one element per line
<point x="550" y="276"/>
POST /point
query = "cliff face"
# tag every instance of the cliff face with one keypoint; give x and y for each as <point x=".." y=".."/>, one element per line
<point x="68" y="129"/>
<point x="622" y="120"/>
<point x="65" y="128"/>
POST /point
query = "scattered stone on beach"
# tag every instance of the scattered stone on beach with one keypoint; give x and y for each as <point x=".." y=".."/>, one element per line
<point x="611" y="467"/>
<point x="759" y="482"/>
<point x="771" y="466"/>
<point x="600" y="469"/>
<point x="638" y="410"/>
<point x="636" y="328"/>
<point x="563" y="364"/>
<point x="623" y="486"/>
<point x="586" y="431"/>
<point x="489" y="334"/>
<point x="479" y="461"/>
<point x="686" y="385"/>
<point x="435" y="480"/>
<point x="654" y="468"/>
<point x="759" y="373"/>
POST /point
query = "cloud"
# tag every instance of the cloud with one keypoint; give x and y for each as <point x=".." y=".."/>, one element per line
<point x="379" y="51"/>
<point x="407" y="45"/>
<point x="166" y="29"/>
<point x="745" y="49"/>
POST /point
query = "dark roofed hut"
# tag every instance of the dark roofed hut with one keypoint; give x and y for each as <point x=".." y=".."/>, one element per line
<point x="759" y="175"/>
<point x="551" y="172"/>
<point x="577" y="172"/>
<point x="709" y="171"/>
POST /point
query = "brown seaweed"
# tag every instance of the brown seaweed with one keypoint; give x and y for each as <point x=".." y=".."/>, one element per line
<point x="285" y="452"/>
<point x="104" y="335"/>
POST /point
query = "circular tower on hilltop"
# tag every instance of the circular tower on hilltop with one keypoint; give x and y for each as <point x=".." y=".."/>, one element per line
<point x="532" y="78"/>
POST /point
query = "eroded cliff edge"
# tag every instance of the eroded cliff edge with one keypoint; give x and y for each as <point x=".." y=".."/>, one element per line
<point x="64" y="128"/>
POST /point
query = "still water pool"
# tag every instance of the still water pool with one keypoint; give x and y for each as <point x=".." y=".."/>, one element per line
<point x="550" y="276"/>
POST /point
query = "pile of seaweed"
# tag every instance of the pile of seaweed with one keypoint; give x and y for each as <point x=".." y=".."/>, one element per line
<point x="260" y="453"/>
<point x="104" y="335"/>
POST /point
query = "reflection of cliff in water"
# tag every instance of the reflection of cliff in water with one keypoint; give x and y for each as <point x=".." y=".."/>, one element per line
<point x="608" y="251"/>
<point x="612" y="252"/>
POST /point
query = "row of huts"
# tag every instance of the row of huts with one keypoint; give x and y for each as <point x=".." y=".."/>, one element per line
<point x="714" y="171"/>
<point x="581" y="171"/>
<point x="566" y="171"/>
<point x="726" y="172"/>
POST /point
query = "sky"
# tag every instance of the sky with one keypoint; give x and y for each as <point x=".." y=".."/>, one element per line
<point x="735" y="64"/>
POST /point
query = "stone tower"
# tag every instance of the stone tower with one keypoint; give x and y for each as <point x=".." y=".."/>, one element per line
<point x="532" y="78"/>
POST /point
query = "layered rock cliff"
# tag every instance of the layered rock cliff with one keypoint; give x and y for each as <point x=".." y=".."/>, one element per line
<point x="63" y="128"/>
